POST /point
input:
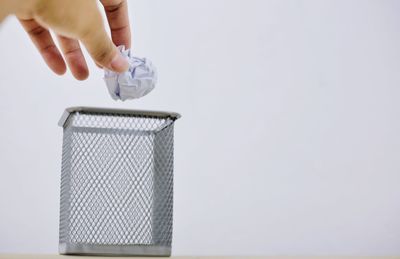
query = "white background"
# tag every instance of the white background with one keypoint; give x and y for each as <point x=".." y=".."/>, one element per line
<point x="289" y="141"/>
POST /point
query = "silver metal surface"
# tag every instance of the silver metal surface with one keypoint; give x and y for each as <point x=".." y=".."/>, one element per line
<point x="92" y="249"/>
<point x="117" y="182"/>
<point x="159" y="114"/>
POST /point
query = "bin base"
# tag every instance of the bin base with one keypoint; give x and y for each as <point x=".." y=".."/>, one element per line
<point x="114" y="250"/>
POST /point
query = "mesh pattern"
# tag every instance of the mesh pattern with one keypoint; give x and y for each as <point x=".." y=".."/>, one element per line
<point x="117" y="180"/>
<point x="120" y="122"/>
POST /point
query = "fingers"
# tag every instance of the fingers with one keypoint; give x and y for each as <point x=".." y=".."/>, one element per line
<point x="80" y="20"/>
<point x="44" y="43"/>
<point x="102" y="49"/>
<point x="74" y="57"/>
<point x="118" y="20"/>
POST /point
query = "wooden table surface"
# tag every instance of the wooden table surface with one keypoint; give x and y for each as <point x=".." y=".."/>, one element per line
<point x="39" y="256"/>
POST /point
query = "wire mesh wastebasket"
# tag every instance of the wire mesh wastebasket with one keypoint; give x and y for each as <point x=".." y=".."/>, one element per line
<point x="116" y="182"/>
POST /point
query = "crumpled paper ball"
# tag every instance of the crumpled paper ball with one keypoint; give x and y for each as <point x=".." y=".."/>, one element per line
<point x="136" y="82"/>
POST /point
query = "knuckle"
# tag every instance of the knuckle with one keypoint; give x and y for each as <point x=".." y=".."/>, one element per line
<point x="37" y="31"/>
<point x="113" y="8"/>
<point x="73" y="51"/>
<point x="102" y="55"/>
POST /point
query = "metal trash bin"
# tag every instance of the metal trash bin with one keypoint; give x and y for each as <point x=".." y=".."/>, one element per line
<point x="116" y="182"/>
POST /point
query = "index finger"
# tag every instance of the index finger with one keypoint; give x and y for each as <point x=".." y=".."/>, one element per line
<point x="118" y="20"/>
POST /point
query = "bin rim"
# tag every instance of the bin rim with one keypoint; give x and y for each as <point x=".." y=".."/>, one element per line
<point x="71" y="110"/>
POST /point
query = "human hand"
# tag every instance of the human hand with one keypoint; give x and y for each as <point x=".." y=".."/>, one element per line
<point x="75" y="21"/>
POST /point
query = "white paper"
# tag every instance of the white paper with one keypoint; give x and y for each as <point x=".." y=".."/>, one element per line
<point x="136" y="82"/>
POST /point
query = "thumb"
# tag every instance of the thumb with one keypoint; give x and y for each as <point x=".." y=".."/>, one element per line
<point x="103" y="51"/>
<point x="82" y="20"/>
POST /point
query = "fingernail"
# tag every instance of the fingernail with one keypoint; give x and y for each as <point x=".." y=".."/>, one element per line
<point x="119" y="63"/>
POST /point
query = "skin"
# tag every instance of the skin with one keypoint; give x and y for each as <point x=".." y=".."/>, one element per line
<point x="75" y="23"/>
